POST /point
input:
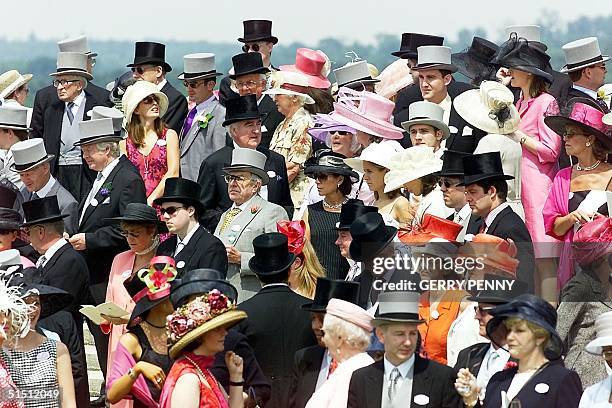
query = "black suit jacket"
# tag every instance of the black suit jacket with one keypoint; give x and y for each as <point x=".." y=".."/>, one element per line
<point x="102" y="238"/>
<point x="204" y="250"/>
<point x="432" y="379"/>
<point x="473" y="225"/>
<point x="177" y="108"/>
<point x="307" y="366"/>
<point x="214" y="188"/>
<point x="271" y="121"/>
<point x="277" y="327"/>
<point x="471" y="357"/>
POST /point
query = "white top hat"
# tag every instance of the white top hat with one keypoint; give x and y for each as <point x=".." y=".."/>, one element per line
<point x="199" y="66"/>
<point x="10" y="257"/>
<point x="11" y="80"/>
<point x="582" y="53"/>
<point x="377" y="153"/>
<point x="14" y="118"/>
<point x="72" y="63"/>
<point x="249" y="160"/>
<point x="97" y="131"/>
<point x="76" y="44"/>
<point x="354" y="73"/>
<point x="28" y="154"/>
<point x="434" y="57"/>
<point x="411" y="164"/>
<point x="528" y="32"/>
<point x="426" y="113"/>
<point x="603" y="327"/>
<point x="100" y="112"/>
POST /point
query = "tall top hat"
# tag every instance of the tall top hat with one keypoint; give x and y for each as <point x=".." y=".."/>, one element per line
<point x="434" y="57"/>
<point x="328" y="289"/>
<point x="412" y="41"/>
<point x="350" y="211"/>
<point x="249" y="160"/>
<point x="42" y="210"/>
<point x="199" y="281"/>
<point x="582" y="53"/>
<point x="354" y="74"/>
<point x="247" y="63"/>
<point x="28" y="154"/>
<point x="97" y="131"/>
<point x="199" y="66"/>
<point x="146" y="52"/>
<point x="182" y="190"/>
<point x="257" y="30"/>
<point x="72" y="63"/>
<point x="370" y="236"/>
<point x="397" y="307"/>
<point x="272" y="256"/>
<point x="484" y="166"/>
<point x="241" y="108"/>
<point x="427" y="113"/>
<point x="14" y="118"/>
<point x="452" y="163"/>
<point x="101" y="112"/>
<point x="473" y="62"/>
<point x="76" y="44"/>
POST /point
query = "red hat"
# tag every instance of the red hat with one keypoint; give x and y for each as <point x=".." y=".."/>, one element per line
<point x="295" y="231"/>
<point x="312" y="64"/>
<point x="495" y="252"/>
<point x="431" y="227"/>
<point x="593" y="241"/>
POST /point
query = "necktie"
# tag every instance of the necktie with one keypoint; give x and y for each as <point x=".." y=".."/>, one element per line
<point x="393" y="378"/>
<point x="41" y="261"/>
<point x="189" y="120"/>
<point x="482" y="228"/>
<point x="229" y="218"/>
<point x="457" y="218"/>
<point x="34" y="196"/>
<point x="179" y="248"/>
<point x="492" y="359"/>
<point x="332" y="367"/>
<point x="69" y="112"/>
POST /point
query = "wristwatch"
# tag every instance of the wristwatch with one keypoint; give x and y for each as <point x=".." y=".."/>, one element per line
<point x="522" y="141"/>
<point x="132" y="374"/>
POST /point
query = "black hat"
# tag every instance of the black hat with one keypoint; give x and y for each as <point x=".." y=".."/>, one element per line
<point x="147" y="52"/>
<point x="524" y="56"/>
<point x="369" y="232"/>
<point x="200" y="281"/>
<point x="412" y="41"/>
<point x="248" y="63"/>
<point x="8" y="193"/>
<point x="241" y="108"/>
<point x="272" y="254"/>
<point x="257" y="30"/>
<point x="327" y="162"/>
<point x="31" y="281"/>
<point x="10" y="220"/>
<point x="452" y="163"/>
<point x="141" y="214"/>
<point x="473" y="62"/>
<point x="144" y="304"/>
<point x="42" y="210"/>
<point x="499" y="296"/>
<point x="182" y="190"/>
<point x="332" y="289"/>
<point x="484" y="166"/>
<point x="350" y="210"/>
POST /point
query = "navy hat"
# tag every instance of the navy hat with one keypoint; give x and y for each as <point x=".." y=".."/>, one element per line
<point x="524" y="56"/>
<point x="31" y="281"/>
<point x="332" y="289"/>
<point x="198" y="282"/>
<point x="474" y="62"/>
<point x="10" y="220"/>
<point x="248" y="63"/>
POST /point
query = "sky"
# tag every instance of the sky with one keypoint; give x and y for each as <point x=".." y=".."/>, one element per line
<point x="308" y="21"/>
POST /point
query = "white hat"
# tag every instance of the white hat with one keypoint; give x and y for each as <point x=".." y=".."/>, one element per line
<point x="10" y="257"/>
<point x="290" y="83"/>
<point x="72" y="63"/>
<point x="354" y="73"/>
<point x="249" y="160"/>
<point x="426" y="113"/>
<point x="411" y="164"/>
<point x="14" y="118"/>
<point x="490" y="108"/>
<point x="434" y="57"/>
<point x="528" y="32"/>
<point x="199" y="66"/>
<point x="582" y="53"/>
<point x="603" y="327"/>
<point x="11" y="80"/>
<point x="28" y="154"/>
<point x="97" y="131"/>
<point x="76" y="44"/>
<point x="100" y="112"/>
<point x="377" y="153"/>
<point x="135" y="93"/>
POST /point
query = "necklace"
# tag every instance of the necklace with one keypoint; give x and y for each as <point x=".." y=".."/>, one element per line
<point x="151" y="247"/>
<point x="152" y="325"/>
<point x="334" y="206"/>
<point x="588" y="168"/>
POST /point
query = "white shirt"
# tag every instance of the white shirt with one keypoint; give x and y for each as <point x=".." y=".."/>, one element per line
<point x="46" y="188"/>
<point x="324" y="371"/>
<point x="462" y="217"/>
<point x="205" y="105"/>
<point x="185" y="240"/>
<point x="597" y="395"/>
<point x="77" y="103"/>
<point x="493" y="214"/>
<point x="162" y="84"/>
<point x="590" y="92"/>
<point x="52" y="250"/>
<point x="98" y="183"/>
<point x="405" y="370"/>
<point x="491" y="365"/>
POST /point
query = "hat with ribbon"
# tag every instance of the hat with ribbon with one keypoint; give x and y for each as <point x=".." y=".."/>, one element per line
<point x="495" y="252"/>
<point x="328" y="289"/>
<point x="434" y="57"/>
<point x="249" y="160"/>
<point x="354" y="75"/>
<point x="411" y="41"/>
<point x="397" y="307"/>
<point x="42" y="210"/>
<point x="370" y="236"/>
<point x="198" y="282"/>
<point x="427" y="113"/>
<point x="350" y="211"/>
<point x="473" y="62"/>
<point x="483" y="166"/>
<point x="199" y="66"/>
<point x="15" y="118"/>
<point x="158" y="277"/>
<point x="28" y="154"/>
<point x="411" y="164"/>
<point x="257" y="30"/>
<point x="603" y="328"/>
<point x="72" y="63"/>
<point x="272" y="256"/>
<point x="582" y="53"/>
<point x="327" y="162"/>
<point x="290" y="83"/>
<point x="350" y="312"/>
<point x="97" y="131"/>
<point x="295" y="231"/>
<point x="325" y="125"/>
<point x="150" y="53"/>
<point x="520" y="54"/>
<point x="313" y="64"/>
<point x="593" y="241"/>
<point x="11" y="80"/>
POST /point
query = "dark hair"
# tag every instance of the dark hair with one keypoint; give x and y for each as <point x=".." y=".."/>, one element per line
<point x="538" y="86"/>
<point x="429" y="182"/>
<point x="599" y="150"/>
<point x="21" y="134"/>
<point x="576" y="75"/>
<point x="501" y="187"/>
<point x="324" y="101"/>
<point x="445" y="72"/>
<point x="346" y="185"/>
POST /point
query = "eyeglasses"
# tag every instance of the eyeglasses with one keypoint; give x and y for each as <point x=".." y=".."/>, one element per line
<point x="169" y="210"/>
<point x="126" y="233"/>
<point x="484" y="310"/>
<point x="321" y="177"/>
<point x="246" y="47"/>
<point x="64" y="82"/>
<point x="247" y="84"/>
<point x="141" y="70"/>
<point x="192" y="84"/>
<point x="444" y="182"/>
<point x="602" y="66"/>
<point x="229" y="178"/>
<point x="149" y="100"/>
<point x="570" y="134"/>
<point x="341" y="132"/>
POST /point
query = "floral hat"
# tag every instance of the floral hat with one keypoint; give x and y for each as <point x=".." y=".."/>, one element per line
<point x="158" y="277"/>
<point x="203" y="314"/>
<point x="295" y="231"/>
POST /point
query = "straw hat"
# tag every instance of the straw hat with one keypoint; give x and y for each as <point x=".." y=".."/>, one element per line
<point x="377" y="153"/>
<point x="11" y="80"/>
<point x="134" y="94"/>
<point x="603" y="327"/>
<point x="411" y="164"/>
<point x="290" y="83"/>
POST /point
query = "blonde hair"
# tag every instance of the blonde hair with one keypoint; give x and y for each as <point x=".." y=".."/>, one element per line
<point x="538" y="331"/>
<point x="306" y="275"/>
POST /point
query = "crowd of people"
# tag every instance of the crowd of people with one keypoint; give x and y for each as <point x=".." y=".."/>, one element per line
<point x="392" y="239"/>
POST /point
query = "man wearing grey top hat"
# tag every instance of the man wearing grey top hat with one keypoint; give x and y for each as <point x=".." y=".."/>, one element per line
<point x="13" y="129"/>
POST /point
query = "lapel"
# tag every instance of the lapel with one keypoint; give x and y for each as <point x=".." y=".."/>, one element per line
<point x="497" y="220"/>
<point x="111" y="177"/>
<point x="420" y="383"/>
<point x="476" y="357"/>
<point x="190" y="249"/>
<point x="90" y="102"/>
<point x="244" y="218"/>
<point x="54" y="189"/>
<point x="56" y="256"/>
<point x="54" y="135"/>
<point x="375" y="380"/>
<point x="270" y="165"/>
<point x="196" y="131"/>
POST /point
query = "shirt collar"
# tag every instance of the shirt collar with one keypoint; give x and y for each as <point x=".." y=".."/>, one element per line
<point x="465" y="212"/>
<point x="494" y="213"/>
<point x="446" y="103"/>
<point x="244" y="205"/>
<point x="111" y="166"/>
<point x="54" y="248"/>
<point x="403" y="368"/>
<point x="590" y="92"/>
<point x="185" y="240"/>
<point x="501" y="351"/>
<point x="78" y="100"/>
<point x="269" y="285"/>
<point x="46" y="188"/>
<point x="162" y="84"/>
<point x="205" y="105"/>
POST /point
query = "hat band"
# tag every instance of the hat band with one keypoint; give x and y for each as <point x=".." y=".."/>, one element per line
<point x="142" y="293"/>
<point x="351" y="81"/>
<point x="72" y="69"/>
<point x="295" y="88"/>
<point x="190" y="75"/>
<point x="21" y="167"/>
<point x="585" y="62"/>
<point x="19" y="125"/>
<point x="398" y="316"/>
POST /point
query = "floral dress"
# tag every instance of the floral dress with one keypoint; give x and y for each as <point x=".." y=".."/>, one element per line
<point x="292" y="141"/>
<point x="154" y="165"/>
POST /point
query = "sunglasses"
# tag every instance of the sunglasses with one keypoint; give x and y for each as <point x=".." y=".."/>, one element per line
<point x="484" y="310"/>
<point x="169" y="210"/>
<point x="149" y="100"/>
<point x="341" y="132"/>
<point x="321" y="177"/>
<point x="192" y="84"/>
<point x="247" y="47"/>
<point x="446" y="183"/>
<point x="141" y="70"/>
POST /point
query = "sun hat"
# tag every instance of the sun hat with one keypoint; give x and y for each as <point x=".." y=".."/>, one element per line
<point x="135" y="93"/>
<point x="350" y="312"/>
<point x="11" y="80"/>
<point x="295" y="231"/>
<point x="434" y="57"/>
<point x="140" y="213"/>
<point x="397" y="307"/>
<point x="327" y="162"/>
<point x="582" y="53"/>
<point x="603" y="328"/>
<point x="427" y="113"/>
<point x="28" y="154"/>
<point x="313" y="65"/>
<point x="72" y="63"/>
<point x="377" y="153"/>
<point x="410" y="164"/>
<point x="395" y="77"/>
<point x="290" y="83"/>
<point x="324" y="125"/>
<point x="158" y="278"/>
<point x="489" y="108"/>
<point x="249" y="160"/>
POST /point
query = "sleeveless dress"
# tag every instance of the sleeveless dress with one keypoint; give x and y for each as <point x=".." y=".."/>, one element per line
<point x="323" y="234"/>
<point x="153" y="166"/>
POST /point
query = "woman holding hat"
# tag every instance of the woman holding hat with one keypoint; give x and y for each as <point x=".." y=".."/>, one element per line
<point x="598" y="395"/>
<point x="14" y="90"/>
<point x="333" y="179"/>
<point x="151" y="146"/>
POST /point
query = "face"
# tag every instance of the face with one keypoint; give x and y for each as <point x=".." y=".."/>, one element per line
<point x="199" y="90"/>
<point x="343" y="242"/>
<point x="327" y="183"/>
<point x="400" y="341"/>
<point x="519" y="79"/>
<point x="7" y="139"/>
<point x="479" y="201"/>
<point x="176" y="215"/>
<point x="262" y="47"/>
<point x="433" y="85"/>
<point x="575" y="140"/>
<point x="606" y="351"/>
<point x="483" y="317"/>
<point x="454" y="195"/>
<point x="374" y="176"/>
<point x="240" y="187"/>
<point x="414" y="187"/>
<point x="7" y="238"/>
<point x="138" y="237"/>
<point x="21" y="94"/>
<point x="363" y="138"/>
<point x="425" y="135"/>
<point x="34" y="315"/>
<point x="214" y="340"/>
<point x="36" y="178"/>
<point x="68" y="87"/>
<point x="316" y="323"/>
<point x="414" y="74"/>
<point x="333" y="343"/>
<point x="286" y="104"/>
<point x="95" y="159"/>
<point x="597" y="75"/>
<point x="247" y="133"/>
<point x="521" y="341"/>
<point x="250" y="84"/>
<point x="148" y="108"/>
<point x="341" y="142"/>
<point x="36" y="235"/>
<point x="149" y="73"/>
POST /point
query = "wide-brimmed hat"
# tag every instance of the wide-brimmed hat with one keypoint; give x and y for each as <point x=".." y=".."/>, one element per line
<point x="493" y="251"/>
<point x="427" y="113"/>
<point x="31" y="281"/>
<point x="295" y="231"/>
<point x="140" y="213"/>
<point x="370" y="236"/>
<point x="14" y="118"/>
<point x="411" y="164"/>
<point x="135" y="93"/>
<point x="199" y="66"/>
<point x="350" y="211"/>
<point x="250" y="160"/>
<point x="593" y="241"/>
<point x="272" y="256"/>
<point x="10" y="220"/>
<point x="247" y="63"/>
<point x="72" y="63"/>
<point x="146" y="52"/>
<point x="327" y="162"/>
<point x="603" y="328"/>
<point x="377" y="153"/>
<point x="431" y="228"/>
<point x="204" y="313"/>
<point x="101" y="112"/>
<point x="324" y="125"/>
<point x="533" y="309"/>
<point x="183" y="191"/>
<point x="28" y="154"/>
<point x="411" y="41"/>
<point x="473" y="62"/>
<point x="397" y="307"/>
<point x="198" y="282"/>
<point x="452" y="164"/>
<point x="42" y="210"/>
<point x="11" y="80"/>
<point x="498" y="294"/>
<point x="242" y="108"/>
<point x="483" y="166"/>
<point x="367" y="112"/>
<point x="312" y="64"/>
<point x="582" y="53"/>
<point x="585" y="114"/>
<point x="97" y="131"/>
<point x="354" y="74"/>
<point x="76" y="44"/>
<point x="522" y="55"/>
<point x="328" y="289"/>
<point x="257" y="30"/>
<point x="434" y="57"/>
<point x="290" y="83"/>
<point x="489" y="108"/>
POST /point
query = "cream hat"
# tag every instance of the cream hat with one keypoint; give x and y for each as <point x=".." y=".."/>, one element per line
<point x="411" y="164"/>
<point x="11" y="80"/>
<point x="377" y="153"/>
<point x="135" y="93"/>
<point x="290" y="83"/>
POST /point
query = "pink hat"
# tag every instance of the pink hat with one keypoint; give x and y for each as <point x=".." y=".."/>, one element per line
<point x="367" y="112"/>
<point x="593" y="241"/>
<point x="350" y="312"/>
<point x="311" y="63"/>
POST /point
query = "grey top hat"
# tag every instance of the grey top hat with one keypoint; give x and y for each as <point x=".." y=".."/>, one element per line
<point x="101" y="112"/>
<point x="75" y="44"/>
<point x="14" y="118"/>
<point x="531" y="33"/>
<point x="582" y="53"/>
<point x="354" y="73"/>
<point x="434" y="57"/>
<point x="249" y="160"/>
<point x="28" y="154"/>
<point x="72" y="63"/>
<point x="426" y="113"/>
<point x="96" y="131"/>
<point x="397" y="307"/>
<point x="199" y="66"/>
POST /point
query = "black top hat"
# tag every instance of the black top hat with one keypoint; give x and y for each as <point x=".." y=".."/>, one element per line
<point x="352" y="209"/>
<point x="42" y="210"/>
<point x="10" y="220"/>
<point x="257" y="30"/>
<point x="141" y="214"/>
<point x="332" y="289"/>
<point x="473" y="62"/>
<point x="499" y="296"/>
<point x="248" y="63"/>
<point x="412" y="41"/>
<point x="525" y="56"/>
<point x="31" y="281"/>
<point x="182" y="190"/>
<point x="8" y="193"/>
<point x="241" y="108"/>
<point x="484" y="166"/>
<point x="452" y="163"/>
<point x="272" y="254"/>
<point x="327" y="162"/>
<point x="199" y="281"/>
<point x="147" y="52"/>
<point x="370" y="236"/>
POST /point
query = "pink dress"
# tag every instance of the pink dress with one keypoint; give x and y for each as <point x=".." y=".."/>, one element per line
<point x="538" y="170"/>
<point x="153" y="166"/>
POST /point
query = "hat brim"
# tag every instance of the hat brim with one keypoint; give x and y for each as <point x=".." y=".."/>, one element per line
<point x="132" y="104"/>
<point x="262" y="174"/>
<point x="282" y="91"/>
<point x="23" y="79"/>
<point x="355" y="247"/>
<point x="15" y="127"/>
<point x="190" y="201"/>
<point x="227" y="319"/>
<point x="408" y="318"/>
<point x="47" y="159"/>
<point x="356" y="163"/>
<point x="269" y="38"/>
<point x="401" y="53"/>
<point x="311" y="307"/>
<point x="76" y="72"/>
<point x="431" y="122"/>
<point x="558" y="123"/>
<point x="162" y="228"/>
<point x="469" y="106"/>
<point x="442" y="67"/>
<point x="317" y="81"/>
<point x="9" y="225"/>
<point x="488" y="299"/>
<point x="244" y="116"/>
<point x="258" y="70"/>
<point x="565" y="70"/>
<point x="155" y="62"/>
<point x="364" y="124"/>
<point x="467" y="180"/>
<point x="263" y="270"/>
<point x="533" y="70"/>
<point x="201" y="76"/>
<point x="143" y="306"/>
<point x="422" y="171"/>
<point x="45" y="220"/>
<point x="595" y="346"/>
<point x="98" y="139"/>
<point x="310" y="171"/>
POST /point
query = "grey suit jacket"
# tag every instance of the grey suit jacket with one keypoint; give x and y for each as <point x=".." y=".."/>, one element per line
<point x="199" y="143"/>
<point x="67" y="205"/>
<point x="259" y="217"/>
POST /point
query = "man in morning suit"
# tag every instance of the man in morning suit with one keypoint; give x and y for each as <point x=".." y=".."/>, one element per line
<point x="243" y="121"/>
<point x="401" y="378"/>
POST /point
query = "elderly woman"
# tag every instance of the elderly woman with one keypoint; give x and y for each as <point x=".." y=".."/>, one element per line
<point x="578" y="192"/>
<point x="14" y="90"/>
<point x="334" y="180"/>
<point x="196" y="332"/>
<point x="347" y="329"/>
<point x="598" y="395"/>
<point x="539" y="379"/>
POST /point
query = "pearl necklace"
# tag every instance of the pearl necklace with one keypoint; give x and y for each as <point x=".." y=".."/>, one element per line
<point x="334" y="206"/>
<point x="588" y="168"/>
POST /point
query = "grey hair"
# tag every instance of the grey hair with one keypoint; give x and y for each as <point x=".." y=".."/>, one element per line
<point x="113" y="148"/>
<point x="256" y="178"/>
<point x="354" y="335"/>
<point x="301" y="100"/>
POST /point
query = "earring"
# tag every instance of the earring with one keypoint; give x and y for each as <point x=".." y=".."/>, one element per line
<point x="588" y="144"/>
<point x="339" y="185"/>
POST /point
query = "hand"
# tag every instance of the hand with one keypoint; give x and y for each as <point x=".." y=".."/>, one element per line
<point x="117" y="321"/>
<point x="150" y="200"/>
<point x="66" y="236"/>
<point x="151" y="372"/>
<point x="234" y="365"/>
<point x="516" y="136"/>
<point x="233" y="255"/>
<point x="78" y="242"/>
<point x="503" y="75"/>
<point x="580" y="217"/>
<point x="466" y="386"/>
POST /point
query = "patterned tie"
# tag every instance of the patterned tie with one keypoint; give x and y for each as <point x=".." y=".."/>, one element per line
<point x="69" y="112"/>
<point x="229" y="218"/>
<point x="34" y="196"/>
<point x="457" y="218"/>
<point x="393" y="378"/>
<point x="332" y="367"/>
<point x="41" y="261"/>
<point x="189" y="121"/>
